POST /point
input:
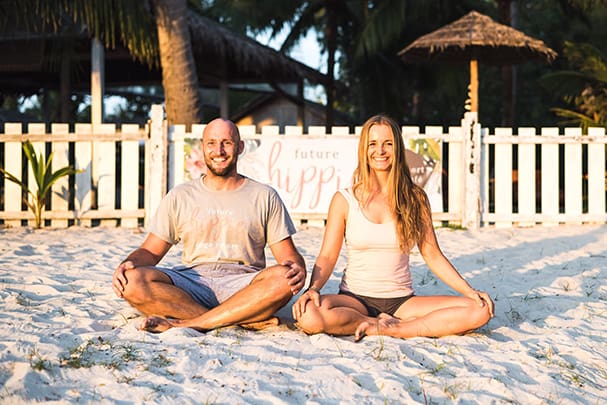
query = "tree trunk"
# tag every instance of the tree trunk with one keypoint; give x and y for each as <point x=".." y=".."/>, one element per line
<point x="179" y="78"/>
<point x="331" y="33"/>
<point x="508" y="75"/>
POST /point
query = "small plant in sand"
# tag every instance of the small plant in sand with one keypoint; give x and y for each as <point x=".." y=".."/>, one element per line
<point x="100" y="352"/>
<point x="38" y="362"/>
<point x="44" y="177"/>
<point x="378" y="351"/>
<point x="23" y="300"/>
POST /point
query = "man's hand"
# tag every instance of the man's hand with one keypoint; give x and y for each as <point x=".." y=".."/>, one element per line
<point x="119" y="280"/>
<point x="296" y="276"/>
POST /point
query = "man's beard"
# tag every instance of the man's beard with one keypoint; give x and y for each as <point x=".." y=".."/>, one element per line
<point x="224" y="171"/>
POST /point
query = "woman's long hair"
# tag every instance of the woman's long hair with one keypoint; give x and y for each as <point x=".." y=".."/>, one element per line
<point x="407" y="200"/>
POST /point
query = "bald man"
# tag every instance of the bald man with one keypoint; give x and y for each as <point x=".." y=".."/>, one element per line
<point x="224" y="221"/>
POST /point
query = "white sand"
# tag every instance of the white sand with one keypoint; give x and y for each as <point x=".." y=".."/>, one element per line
<point x="65" y="337"/>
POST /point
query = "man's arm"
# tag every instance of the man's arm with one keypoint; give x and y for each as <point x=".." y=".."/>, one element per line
<point x="286" y="254"/>
<point x="151" y="251"/>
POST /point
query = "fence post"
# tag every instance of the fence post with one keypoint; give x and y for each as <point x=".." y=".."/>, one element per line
<point x="13" y="163"/>
<point x="175" y="149"/>
<point x="155" y="162"/>
<point x="472" y="158"/>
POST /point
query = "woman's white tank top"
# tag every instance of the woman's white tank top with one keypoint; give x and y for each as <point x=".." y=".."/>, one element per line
<point x="376" y="265"/>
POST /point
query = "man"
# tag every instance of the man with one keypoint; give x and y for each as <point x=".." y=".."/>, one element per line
<point x="224" y="221"/>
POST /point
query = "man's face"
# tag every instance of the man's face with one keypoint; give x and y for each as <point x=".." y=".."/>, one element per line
<point x="221" y="147"/>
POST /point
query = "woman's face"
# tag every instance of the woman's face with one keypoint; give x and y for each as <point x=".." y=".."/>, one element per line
<point x="380" y="152"/>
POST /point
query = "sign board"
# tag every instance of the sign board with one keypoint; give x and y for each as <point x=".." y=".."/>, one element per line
<point x="307" y="170"/>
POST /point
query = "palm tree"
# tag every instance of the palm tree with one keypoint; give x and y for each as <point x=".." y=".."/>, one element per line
<point x="352" y="27"/>
<point x="584" y="86"/>
<point x="179" y="78"/>
<point x="154" y="31"/>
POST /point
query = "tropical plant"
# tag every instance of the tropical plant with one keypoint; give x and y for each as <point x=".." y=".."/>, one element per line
<point x="44" y="178"/>
<point x="584" y="86"/>
<point x="154" y="31"/>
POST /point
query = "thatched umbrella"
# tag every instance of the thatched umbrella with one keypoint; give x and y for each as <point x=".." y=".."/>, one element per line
<point x="476" y="37"/>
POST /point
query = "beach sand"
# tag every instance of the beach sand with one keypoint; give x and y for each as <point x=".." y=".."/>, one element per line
<point x="66" y="338"/>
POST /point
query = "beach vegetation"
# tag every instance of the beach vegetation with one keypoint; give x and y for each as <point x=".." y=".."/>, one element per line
<point x="138" y="26"/>
<point x="513" y="315"/>
<point x="100" y="352"/>
<point x="437" y="369"/>
<point x="23" y="300"/>
<point x="125" y="379"/>
<point x="37" y="361"/>
<point x="453" y="226"/>
<point x="583" y="87"/>
<point x="378" y="351"/>
<point x="44" y="178"/>
<point x="451" y="391"/>
<point x="341" y="352"/>
<point x="161" y="361"/>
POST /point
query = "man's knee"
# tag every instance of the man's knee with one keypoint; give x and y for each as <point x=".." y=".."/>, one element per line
<point x="276" y="282"/>
<point x="138" y="281"/>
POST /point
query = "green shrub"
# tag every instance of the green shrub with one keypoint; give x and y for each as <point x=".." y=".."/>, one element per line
<point x="44" y="178"/>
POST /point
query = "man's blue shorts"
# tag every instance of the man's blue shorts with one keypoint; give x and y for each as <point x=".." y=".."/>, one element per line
<point x="210" y="284"/>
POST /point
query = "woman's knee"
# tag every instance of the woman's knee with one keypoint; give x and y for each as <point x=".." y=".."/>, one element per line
<point x="480" y="315"/>
<point x="311" y="321"/>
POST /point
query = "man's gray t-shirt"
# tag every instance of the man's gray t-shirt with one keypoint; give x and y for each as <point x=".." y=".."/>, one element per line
<point x="222" y="226"/>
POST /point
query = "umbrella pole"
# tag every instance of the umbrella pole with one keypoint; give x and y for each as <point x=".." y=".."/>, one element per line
<point x="474" y="85"/>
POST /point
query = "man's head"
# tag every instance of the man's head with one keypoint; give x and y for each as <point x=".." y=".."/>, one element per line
<point x="221" y="145"/>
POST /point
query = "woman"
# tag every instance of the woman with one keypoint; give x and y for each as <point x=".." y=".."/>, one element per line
<point x="382" y="217"/>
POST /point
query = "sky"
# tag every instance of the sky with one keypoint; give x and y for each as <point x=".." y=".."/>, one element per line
<point x="308" y="52"/>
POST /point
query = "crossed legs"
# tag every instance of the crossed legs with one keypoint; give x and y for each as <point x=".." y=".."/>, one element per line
<point x="430" y="316"/>
<point x="152" y="293"/>
<point x="337" y="314"/>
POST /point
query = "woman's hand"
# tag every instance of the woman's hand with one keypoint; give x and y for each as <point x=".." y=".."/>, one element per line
<point x="299" y="307"/>
<point x="482" y="298"/>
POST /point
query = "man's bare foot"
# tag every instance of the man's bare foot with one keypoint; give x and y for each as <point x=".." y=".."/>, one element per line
<point x="376" y="326"/>
<point x="260" y="325"/>
<point x="155" y="324"/>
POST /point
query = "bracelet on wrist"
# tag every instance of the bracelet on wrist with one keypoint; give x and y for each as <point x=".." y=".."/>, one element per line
<point x="313" y="289"/>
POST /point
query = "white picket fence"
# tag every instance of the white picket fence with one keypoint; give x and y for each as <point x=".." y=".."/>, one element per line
<point x="548" y="177"/>
<point x="90" y="195"/>
<point x="491" y="178"/>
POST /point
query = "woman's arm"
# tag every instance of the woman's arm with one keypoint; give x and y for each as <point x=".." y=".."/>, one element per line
<point x="331" y="242"/>
<point x="443" y="268"/>
<point x="329" y="252"/>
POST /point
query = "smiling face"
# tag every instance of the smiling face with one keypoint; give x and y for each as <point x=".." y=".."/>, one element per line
<point x="221" y="146"/>
<point x="380" y="148"/>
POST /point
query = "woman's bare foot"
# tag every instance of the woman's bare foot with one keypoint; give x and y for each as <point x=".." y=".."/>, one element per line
<point x="156" y="324"/>
<point x="376" y="326"/>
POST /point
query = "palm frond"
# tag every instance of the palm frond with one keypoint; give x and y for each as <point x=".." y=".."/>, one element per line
<point x="577" y="118"/>
<point x="565" y="82"/>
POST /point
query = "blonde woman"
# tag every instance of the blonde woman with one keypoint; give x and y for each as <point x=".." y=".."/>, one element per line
<point x="381" y="218"/>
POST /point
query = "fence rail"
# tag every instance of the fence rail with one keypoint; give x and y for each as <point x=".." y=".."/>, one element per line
<point x="95" y="195"/>
<point x="501" y="178"/>
<point x="543" y="177"/>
